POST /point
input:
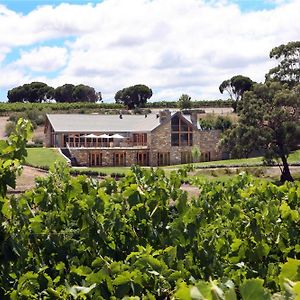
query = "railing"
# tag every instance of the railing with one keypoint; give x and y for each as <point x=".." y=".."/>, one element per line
<point x="106" y="145"/>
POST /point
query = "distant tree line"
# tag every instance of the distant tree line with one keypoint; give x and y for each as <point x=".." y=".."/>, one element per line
<point x="38" y="92"/>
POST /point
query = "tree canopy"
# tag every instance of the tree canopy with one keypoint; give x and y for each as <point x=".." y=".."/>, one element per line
<point x="269" y="122"/>
<point x="76" y="93"/>
<point x="235" y="87"/>
<point x="37" y="92"/>
<point x="34" y="92"/>
<point x="184" y="102"/>
<point x="134" y="96"/>
<point x="288" y="69"/>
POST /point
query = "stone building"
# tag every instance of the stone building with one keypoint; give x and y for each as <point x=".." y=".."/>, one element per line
<point x="123" y="140"/>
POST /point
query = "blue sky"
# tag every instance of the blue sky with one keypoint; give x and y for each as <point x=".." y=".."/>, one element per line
<point x="174" y="46"/>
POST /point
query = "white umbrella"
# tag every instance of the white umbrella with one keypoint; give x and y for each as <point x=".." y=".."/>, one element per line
<point x="91" y="136"/>
<point x="117" y="136"/>
<point x="104" y="136"/>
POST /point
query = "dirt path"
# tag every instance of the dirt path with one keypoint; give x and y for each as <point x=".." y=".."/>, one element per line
<point x="27" y="179"/>
<point x="3" y="121"/>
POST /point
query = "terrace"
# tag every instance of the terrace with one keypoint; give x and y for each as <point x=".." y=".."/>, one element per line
<point x="105" y="141"/>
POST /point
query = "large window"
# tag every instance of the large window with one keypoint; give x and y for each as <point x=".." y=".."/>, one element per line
<point x="181" y="132"/>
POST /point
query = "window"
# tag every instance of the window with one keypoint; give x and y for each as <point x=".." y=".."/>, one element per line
<point x="163" y="158"/>
<point x="119" y="159"/>
<point x="140" y="139"/>
<point x="181" y="132"/>
<point x="186" y="157"/>
<point x="142" y="158"/>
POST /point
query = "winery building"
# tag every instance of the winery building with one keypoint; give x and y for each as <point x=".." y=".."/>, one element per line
<point x="123" y="140"/>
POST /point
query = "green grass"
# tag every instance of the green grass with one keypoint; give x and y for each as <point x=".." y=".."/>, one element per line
<point x="43" y="157"/>
<point x="106" y="170"/>
<point x="254" y="161"/>
<point x="47" y="157"/>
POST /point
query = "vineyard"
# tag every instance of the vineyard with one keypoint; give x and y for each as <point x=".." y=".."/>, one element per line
<point x="142" y="238"/>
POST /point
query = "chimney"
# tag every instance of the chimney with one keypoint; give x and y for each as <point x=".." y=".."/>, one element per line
<point x="164" y="115"/>
<point x="194" y="118"/>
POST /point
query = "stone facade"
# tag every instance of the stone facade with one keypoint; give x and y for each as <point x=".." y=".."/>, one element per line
<point x="158" y="151"/>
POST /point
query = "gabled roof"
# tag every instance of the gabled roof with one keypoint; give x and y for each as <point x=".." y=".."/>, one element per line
<point x="102" y="123"/>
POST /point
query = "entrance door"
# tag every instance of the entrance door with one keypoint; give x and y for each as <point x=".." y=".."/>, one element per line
<point x="95" y="159"/>
<point x="143" y="158"/>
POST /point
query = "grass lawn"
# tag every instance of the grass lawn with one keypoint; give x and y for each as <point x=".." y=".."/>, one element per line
<point x="293" y="158"/>
<point x="106" y="170"/>
<point x="47" y="157"/>
<point x="43" y="156"/>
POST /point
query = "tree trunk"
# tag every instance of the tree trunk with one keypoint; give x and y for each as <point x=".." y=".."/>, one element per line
<point x="285" y="173"/>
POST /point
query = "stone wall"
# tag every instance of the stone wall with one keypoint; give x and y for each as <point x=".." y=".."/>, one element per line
<point x="82" y="156"/>
<point x="207" y="141"/>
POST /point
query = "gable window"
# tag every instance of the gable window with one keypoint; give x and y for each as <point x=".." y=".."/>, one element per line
<point x="181" y="132"/>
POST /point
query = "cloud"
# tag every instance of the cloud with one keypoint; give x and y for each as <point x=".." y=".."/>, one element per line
<point x="173" y="46"/>
<point x="43" y="59"/>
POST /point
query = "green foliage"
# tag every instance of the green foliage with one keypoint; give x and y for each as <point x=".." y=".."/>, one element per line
<point x="43" y="108"/>
<point x="134" y="96"/>
<point x="38" y="92"/>
<point x="236" y="86"/>
<point x="79" y="93"/>
<point x="288" y="69"/>
<point x="185" y="102"/>
<point x="12" y="152"/>
<point x="74" y="237"/>
<point x="269" y="122"/>
<point x="34" y="92"/>
<point x="220" y="122"/>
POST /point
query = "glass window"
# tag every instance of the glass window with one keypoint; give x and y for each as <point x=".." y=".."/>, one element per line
<point x="181" y="132"/>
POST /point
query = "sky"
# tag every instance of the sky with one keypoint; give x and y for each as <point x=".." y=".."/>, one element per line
<point x="173" y="46"/>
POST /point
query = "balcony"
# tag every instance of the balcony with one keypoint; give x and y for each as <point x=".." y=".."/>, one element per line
<point x="107" y="145"/>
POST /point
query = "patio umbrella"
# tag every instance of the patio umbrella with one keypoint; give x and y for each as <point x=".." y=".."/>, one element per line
<point x="104" y="136"/>
<point x="91" y="136"/>
<point x="117" y="136"/>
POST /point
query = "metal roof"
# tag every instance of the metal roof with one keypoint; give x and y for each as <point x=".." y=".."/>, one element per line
<point x="102" y="123"/>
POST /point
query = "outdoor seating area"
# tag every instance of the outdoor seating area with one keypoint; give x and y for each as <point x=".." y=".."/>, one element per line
<point x="101" y="141"/>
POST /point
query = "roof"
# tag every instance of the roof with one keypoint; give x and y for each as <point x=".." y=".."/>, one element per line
<point x="102" y="123"/>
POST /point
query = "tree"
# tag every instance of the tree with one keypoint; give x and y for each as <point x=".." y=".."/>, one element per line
<point x="134" y="96"/>
<point x="64" y="93"/>
<point x="269" y="122"/>
<point x="34" y="92"/>
<point x="236" y="86"/>
<point x="288" y="69"/>
<point x="85" y="93"/>
<point x="184" y="102"/>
